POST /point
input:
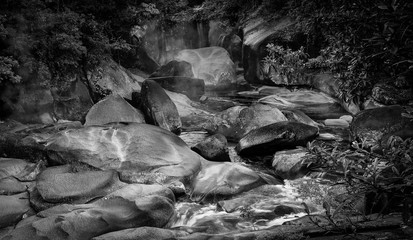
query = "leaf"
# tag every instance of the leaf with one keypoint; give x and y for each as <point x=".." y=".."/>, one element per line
<point x="306" y="208"/>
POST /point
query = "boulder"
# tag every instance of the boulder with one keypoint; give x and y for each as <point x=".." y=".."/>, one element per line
<point x="111" y="78"/>
<point x="193" y="88"/>
<point x="19" y="169"/>
<point x="135" y="150"/>
<point x="10" y="186"/>
<point x="193" y="117"/>
<point x="340" y="123"/>
<point x="390" y="95"/>
<point x="143" y="233"/>
<point x="222" y="180"/>
<point x="113" y="108"/>
<point x="299" y="116"/>
<point x="236" y="122"/>
<point x="276" y="136"/>
<point x="291" y="164"/>
<point x="159" y="109"/>
<point x="57" y="185"/>
<point x="212" y="64"/>
<point x="214" y="148"/>
<point x="12" y="208"/>
<point x="370" y="126"/>
<point x="134" y="191"/>
<point x="315" y="104"/>
<point x="86" y="221"/>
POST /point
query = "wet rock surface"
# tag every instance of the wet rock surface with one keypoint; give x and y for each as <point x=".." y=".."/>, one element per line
<point x="214" y="148"/>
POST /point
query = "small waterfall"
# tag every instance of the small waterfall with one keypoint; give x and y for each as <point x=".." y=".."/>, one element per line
<point x="202" y="29"/>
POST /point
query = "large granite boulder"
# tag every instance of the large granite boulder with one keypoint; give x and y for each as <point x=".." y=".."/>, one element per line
<point x="111" y="78"/>
<point x="137" y="151"/>
<point x="373" y="126"/>
<point x="61" y="185"/>
<point x="291" y="164"/>
<point x="236" y="122"/>
<point x="274" y="137"/>
<point x="159" y="109"/>
<point x="212" y="64"/>
<point x="214" y="148"/>
<point x="113" y="108"/>
<point x="222" y="180"/>
<point x="143" y="233"/>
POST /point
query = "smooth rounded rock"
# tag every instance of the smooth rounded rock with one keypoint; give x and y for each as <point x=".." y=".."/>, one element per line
<point x="159" y="109"/>
<point x="214" y="148"/>
<point x="12" y="208"/>
<point x="113" y="108"/>
<point x="290" y="164"/>
<point x="274" y="137"/>
<point x="132" y="149"/>
<point x="143" y="233"/>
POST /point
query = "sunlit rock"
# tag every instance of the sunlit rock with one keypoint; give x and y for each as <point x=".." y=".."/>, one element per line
<point x="59" y="184"/>
<point x="10" y="186"/>
<point x="291" y="164"/>
<point x="158" y="108"/>
<point x="275" y="137"/>
<point x="236" y="122"/>
<point x="214" y="148"/>
<point x="111" y="78"/>
<point x="298" y="116"/>
<point x="113" y="108"/>
<point x="131" y="149"/>
<point x="221" y="180"/>
<point x="212" y="64"/>
<point x="134" y="191"/>
<point x="341" y="123"/>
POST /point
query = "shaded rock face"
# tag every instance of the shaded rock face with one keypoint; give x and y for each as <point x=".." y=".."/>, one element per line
<point x="221" y="180"/>
<point x="12" y="208"/>
<point x="299" y="116"/>
<point x="212" y="64"/>
<point x="86" y="221"/>
<point x="159" y="109"/>
<point x="276" y="136"/>
<point x="193" y="88"/>
<point x="290" y="164"/>
<point x="257" y="33"/>
<point x="113" y="108"/>
<point x="237" y="121"/>
<point x="214" y="148"/>
<point x="390" y="95"/>
<point x="135" y="150"/>
<point x="143" y="233"/>
<point x="370" y="126"/>
<point x="110" y="78"/>
<point x="60" y="185"/>
<point x="174" y="68"/>
<point x="73" y="103"/>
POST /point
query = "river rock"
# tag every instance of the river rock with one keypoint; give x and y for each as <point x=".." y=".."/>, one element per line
<point x="113" y="108"/>
<point x="111" y="78"/>
<point x="214" y="148"/>
<point x="58" y="185"/>
<point x="315" y="104"/>
<point x="221" y="180"/>
<point x="341" y="123"/>
<point x="134" y="191"/>
<point x="86" y="221"/>
<point x="193" y="88"/>
<point x="299" y="116"/>
<point x="290" y="164"/>
<point x="143" y="233"/>
<point x="159" y="109"/>
<point x="12" y="208"/>
<point x="10" y="186"/>
<point x="19" y="169"/>
<point x="212" y="64"/>
<point x="236" y="122"/>
<point x="370" y="126"/>
<point x="134" y="150"/>
<point x="276" y="136"/>
<point x="193" y="117"/>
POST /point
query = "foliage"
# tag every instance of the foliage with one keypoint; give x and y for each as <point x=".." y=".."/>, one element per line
<point x="7" y="66"/>
<point x="383" y="181"/>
